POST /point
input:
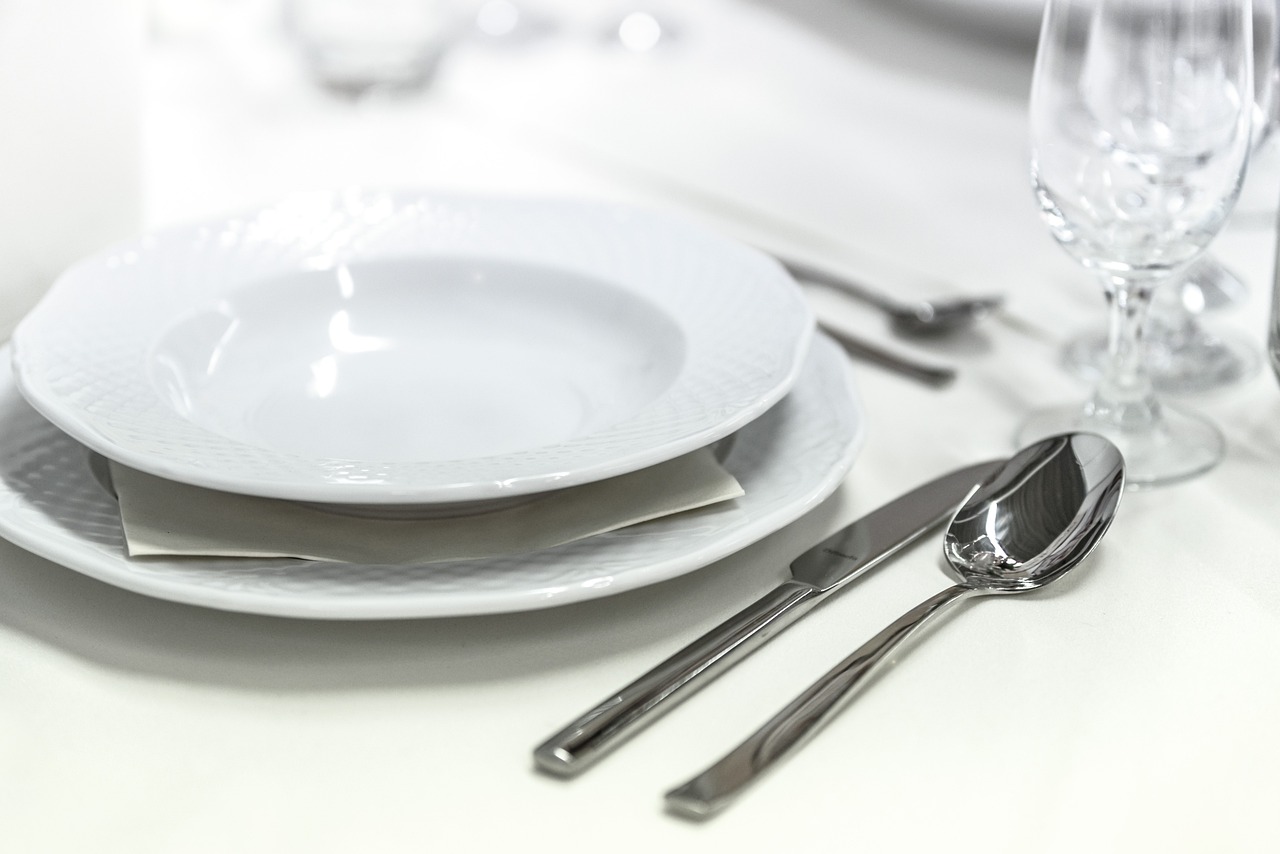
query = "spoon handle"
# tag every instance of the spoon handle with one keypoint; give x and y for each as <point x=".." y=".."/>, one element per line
<point x="715" y="787"/>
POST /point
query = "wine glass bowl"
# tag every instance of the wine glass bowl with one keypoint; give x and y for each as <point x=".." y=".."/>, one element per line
<point x="1137" y="179"/>
<point x="1140" y="132"/>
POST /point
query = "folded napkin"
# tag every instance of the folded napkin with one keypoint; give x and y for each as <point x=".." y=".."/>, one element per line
<point x="163" y="517"/>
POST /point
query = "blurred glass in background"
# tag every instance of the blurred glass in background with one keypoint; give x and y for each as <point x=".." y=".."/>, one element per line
<point x="1273" y="330"/>
<point x="354" y="46"/>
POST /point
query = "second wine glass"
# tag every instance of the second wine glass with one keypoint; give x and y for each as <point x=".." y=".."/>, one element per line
<point x="1140" y="130"/>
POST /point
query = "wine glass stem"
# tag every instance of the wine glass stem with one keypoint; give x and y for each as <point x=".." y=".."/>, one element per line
<point x="1125" y="396"/>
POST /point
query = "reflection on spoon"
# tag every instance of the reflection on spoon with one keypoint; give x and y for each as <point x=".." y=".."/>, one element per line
<point x="1026" y="525"/>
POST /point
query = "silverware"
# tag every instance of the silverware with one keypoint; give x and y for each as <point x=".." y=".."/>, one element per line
<point x="819" y="572"/>
<point x="933" y="375"/>
<point x="1030" y="522"/>
<point x="914" y="318"/>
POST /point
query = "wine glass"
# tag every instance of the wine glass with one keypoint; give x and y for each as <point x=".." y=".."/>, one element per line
<point x="1186" y="353"/>
<point x="1140" y="132"/>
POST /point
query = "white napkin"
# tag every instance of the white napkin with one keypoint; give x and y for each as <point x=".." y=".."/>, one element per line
<point x="162" y="517"/>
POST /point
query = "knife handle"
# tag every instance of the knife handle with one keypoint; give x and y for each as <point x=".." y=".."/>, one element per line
<point x="621" y="715"/>
<point x="937" y="376"/>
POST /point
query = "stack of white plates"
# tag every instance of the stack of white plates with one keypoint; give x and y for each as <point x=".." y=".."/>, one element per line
<point x="383" y="350"/>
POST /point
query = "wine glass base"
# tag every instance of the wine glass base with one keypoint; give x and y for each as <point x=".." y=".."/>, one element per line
<point x="1204" y="363"/>
<point x="1212" y="284"/>
<point x="1179" y="446"/>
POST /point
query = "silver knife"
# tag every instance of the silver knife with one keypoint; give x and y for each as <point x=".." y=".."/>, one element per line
<point x="827" y="567"/>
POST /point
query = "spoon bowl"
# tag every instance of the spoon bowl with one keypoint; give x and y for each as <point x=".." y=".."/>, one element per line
<point x="1024" y="526"/>
<point x="1038" y="516"/>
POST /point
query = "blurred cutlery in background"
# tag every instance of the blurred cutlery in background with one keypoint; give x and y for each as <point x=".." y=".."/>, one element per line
<point x="915" y="317"/>
<point x="858" y="347"/>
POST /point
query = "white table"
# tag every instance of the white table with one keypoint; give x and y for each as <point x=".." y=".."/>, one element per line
<point x="1134" y="707"/>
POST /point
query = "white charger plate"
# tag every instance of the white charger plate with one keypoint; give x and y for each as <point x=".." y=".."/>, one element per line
<point x="404" y="347"/>
<point x="788" y="460"/>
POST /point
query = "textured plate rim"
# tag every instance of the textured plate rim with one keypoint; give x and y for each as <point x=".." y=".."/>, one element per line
<point x="72" y="417"/>
<point x="75" y="553"/>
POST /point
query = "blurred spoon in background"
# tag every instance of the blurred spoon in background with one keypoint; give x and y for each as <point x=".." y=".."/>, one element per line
<point x="919" y="318"/>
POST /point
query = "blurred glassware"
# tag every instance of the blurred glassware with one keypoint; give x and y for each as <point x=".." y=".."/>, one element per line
<point x="1273" y="333"/>
<point x="1140" y="130"/>
<point x="1186" y="355"/>
<point x="353" y="47"/>
<point x="509" y="23"/>
<point x="498" y="19"/>
<point x="1261" y="192"/>
<point x="641" y="28"/>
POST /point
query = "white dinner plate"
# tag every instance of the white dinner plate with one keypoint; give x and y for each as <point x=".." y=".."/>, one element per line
<point x="405" y="347"/>
<point x="787" y="461"/>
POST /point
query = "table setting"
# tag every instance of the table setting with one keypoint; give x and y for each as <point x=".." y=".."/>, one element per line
<point x="481" y="425"/>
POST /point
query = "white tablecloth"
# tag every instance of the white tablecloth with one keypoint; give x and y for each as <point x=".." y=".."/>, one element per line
<point x="1134" y="707"/>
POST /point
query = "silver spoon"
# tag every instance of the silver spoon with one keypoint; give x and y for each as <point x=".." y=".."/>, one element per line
<point x="917" y="318"/>
<point x="1026" y="525"/>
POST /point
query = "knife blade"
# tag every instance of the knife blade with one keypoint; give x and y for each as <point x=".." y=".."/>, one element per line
<point x="819" y="572"/>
